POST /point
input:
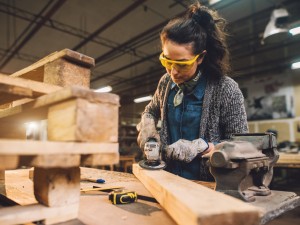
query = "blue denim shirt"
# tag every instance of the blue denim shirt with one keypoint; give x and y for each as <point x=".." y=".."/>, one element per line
<point x="184" y="123"/>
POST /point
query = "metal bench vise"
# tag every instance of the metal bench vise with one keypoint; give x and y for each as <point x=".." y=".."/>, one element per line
<point x="243" y="165"/>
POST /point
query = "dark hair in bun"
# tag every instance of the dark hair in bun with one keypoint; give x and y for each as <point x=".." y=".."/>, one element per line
<point x="205" y="30"/>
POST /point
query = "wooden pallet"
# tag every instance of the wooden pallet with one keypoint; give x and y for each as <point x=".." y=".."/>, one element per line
<point x="63" y="68"/>
<point x="82" y="129"/>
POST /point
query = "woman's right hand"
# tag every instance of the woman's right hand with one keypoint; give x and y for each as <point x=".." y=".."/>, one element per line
<point x="147" y="130"/>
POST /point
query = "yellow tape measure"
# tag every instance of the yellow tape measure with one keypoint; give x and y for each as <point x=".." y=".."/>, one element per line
<point x="122" y="197"/>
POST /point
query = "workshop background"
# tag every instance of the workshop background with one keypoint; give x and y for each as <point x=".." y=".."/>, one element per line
<point x="123" y="37"/>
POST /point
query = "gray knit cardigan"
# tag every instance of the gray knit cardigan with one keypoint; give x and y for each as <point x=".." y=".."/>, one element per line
<point x="223" y="111"/>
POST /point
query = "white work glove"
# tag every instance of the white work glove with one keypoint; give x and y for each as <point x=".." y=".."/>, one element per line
<point x="147" y="130"/>
<point x="186" y="151"/>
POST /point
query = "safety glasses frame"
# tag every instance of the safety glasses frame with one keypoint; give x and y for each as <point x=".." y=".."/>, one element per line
<point x="178" y="65"/>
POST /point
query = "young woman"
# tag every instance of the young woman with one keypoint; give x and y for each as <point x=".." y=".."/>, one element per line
<point x="199" y="105"/>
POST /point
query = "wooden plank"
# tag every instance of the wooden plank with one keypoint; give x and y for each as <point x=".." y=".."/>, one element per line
<point x="50" y="161"/>
<point x="5" y="106"/>
<point x="46" y="154"/>
<point x="9" y="93"/>
<point x="37" y="88"/>
<point x="63" y="68"/>
<point x="81" y="120"/>
<point x="93" y="160"/>
<point x="73" y="56"/>
<point x="46" y="161"/>
<point x="62" y="161"/>
<point x="74" y="114"/>
<point x="18" y="187"/>
<point x="9" y="162"/>
<point x="23" y="113"/>
<point x="2" y="177"/>
<point x="191" y="203"/>
<point x="16" y="147"/>
<point x="36" y="212"/>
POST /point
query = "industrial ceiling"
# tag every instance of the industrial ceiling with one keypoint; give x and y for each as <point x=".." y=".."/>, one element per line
<point x="123" y="37"/>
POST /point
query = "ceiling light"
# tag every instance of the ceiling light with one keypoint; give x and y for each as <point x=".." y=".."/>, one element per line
<point x="295" y="65"/>
<point x="295" y="31"/>
<point x="276" y="30"/>
<point x="211" y="2"/>
<point x="104" y="89"/>
<point x="143" y="99"/>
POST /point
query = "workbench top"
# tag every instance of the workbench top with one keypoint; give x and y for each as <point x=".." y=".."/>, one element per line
<point x="95" y="208"/>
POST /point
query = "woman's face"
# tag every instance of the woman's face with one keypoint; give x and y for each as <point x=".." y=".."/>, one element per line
<point x="180" y="52"/>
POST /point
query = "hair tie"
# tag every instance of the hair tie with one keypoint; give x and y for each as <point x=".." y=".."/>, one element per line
<point x="204" y="19"/>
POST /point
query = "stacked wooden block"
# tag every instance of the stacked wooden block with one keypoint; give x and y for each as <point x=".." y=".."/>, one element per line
<point x="82" y="129"/>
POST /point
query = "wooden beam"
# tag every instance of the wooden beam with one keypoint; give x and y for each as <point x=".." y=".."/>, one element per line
<point x="9" y="162"/>
<point x="5" y="106"/>
<point x="2" y="177"/>
<point x="36" y="212"/>
<point x="57" y="186"/>
<point x="16" y="147"/>
<point x="27" y="109"/>
<point x="9" y="93"/>
<point x="48" y="154"/>
<point x="63" y="161"/>
<point x="37" y="88"/>
<point x="20" y="190"/>
<point x="50" y="161"/>
<point x="63" y="68"/>
<point x="191" y="203"/>
<point x="81" y="120"/>
<point x="74" y="114"/>
<point x="18" y="187"/>
<point x="93" y="160"/>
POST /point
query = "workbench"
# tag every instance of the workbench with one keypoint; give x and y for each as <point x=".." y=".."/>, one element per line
<point x="288" y="160"/>
<point x="95" y="208"/>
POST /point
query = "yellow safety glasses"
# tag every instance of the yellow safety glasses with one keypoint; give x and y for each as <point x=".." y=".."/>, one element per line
<point x="180" y="66"/>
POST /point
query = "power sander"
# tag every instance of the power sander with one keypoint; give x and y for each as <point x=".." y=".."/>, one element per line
<point x="153" y="159"/>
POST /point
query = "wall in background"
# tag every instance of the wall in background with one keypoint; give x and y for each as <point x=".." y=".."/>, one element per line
<point x="272" y="101"/>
